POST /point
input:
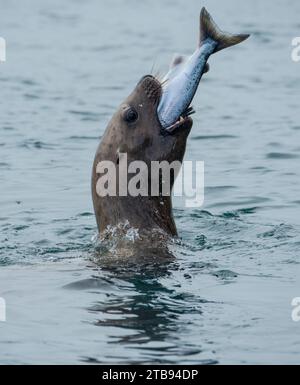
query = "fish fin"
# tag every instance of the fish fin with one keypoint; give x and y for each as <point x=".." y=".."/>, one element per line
<point x="177" y="60"/>
<point x="206" y="68"/>
<point x="209" y="29"/>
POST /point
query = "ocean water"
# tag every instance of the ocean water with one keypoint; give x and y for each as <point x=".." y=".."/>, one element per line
<point x="227" y="296"/>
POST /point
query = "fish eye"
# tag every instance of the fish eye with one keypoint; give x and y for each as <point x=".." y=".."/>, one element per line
<point x="130" y="115"/>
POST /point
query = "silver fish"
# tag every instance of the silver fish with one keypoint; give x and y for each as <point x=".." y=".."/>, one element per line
<point x="182" y="81"/>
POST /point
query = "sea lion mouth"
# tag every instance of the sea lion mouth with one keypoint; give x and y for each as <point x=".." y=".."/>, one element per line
<point x="184" y="120"/>
<point x="153" y="89"/>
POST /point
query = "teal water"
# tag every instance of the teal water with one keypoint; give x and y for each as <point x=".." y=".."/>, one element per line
<point x="227" y="297"/>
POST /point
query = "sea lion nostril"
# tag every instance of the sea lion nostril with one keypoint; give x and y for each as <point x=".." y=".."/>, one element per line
<point x="150" y="77"/>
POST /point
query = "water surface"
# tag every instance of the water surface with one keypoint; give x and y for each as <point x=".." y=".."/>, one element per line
<point x="227" y="297"/>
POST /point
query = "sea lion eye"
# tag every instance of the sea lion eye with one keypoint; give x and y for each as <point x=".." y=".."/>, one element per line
<point x="130" y="115"/>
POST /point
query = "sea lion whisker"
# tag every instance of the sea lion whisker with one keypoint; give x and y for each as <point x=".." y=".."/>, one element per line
<point x="152" y="68"/>
<point x="164" y="82"/>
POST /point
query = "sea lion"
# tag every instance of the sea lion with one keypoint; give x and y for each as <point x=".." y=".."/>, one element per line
<point x="153" y="124"/>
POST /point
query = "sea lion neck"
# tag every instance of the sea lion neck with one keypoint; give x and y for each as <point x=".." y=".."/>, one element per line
<point x="142" y="213"/>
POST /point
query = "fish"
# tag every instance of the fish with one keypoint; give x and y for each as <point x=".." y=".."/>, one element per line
<point x="183" y="78"/>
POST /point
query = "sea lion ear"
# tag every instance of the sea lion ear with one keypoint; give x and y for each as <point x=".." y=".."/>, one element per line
<point x="147" y="81"/>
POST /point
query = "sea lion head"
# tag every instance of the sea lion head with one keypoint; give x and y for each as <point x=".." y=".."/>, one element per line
<point x="135" y="128"/>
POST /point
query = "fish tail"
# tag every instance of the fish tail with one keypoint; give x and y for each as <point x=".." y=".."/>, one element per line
<point x="209" y="29"/>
